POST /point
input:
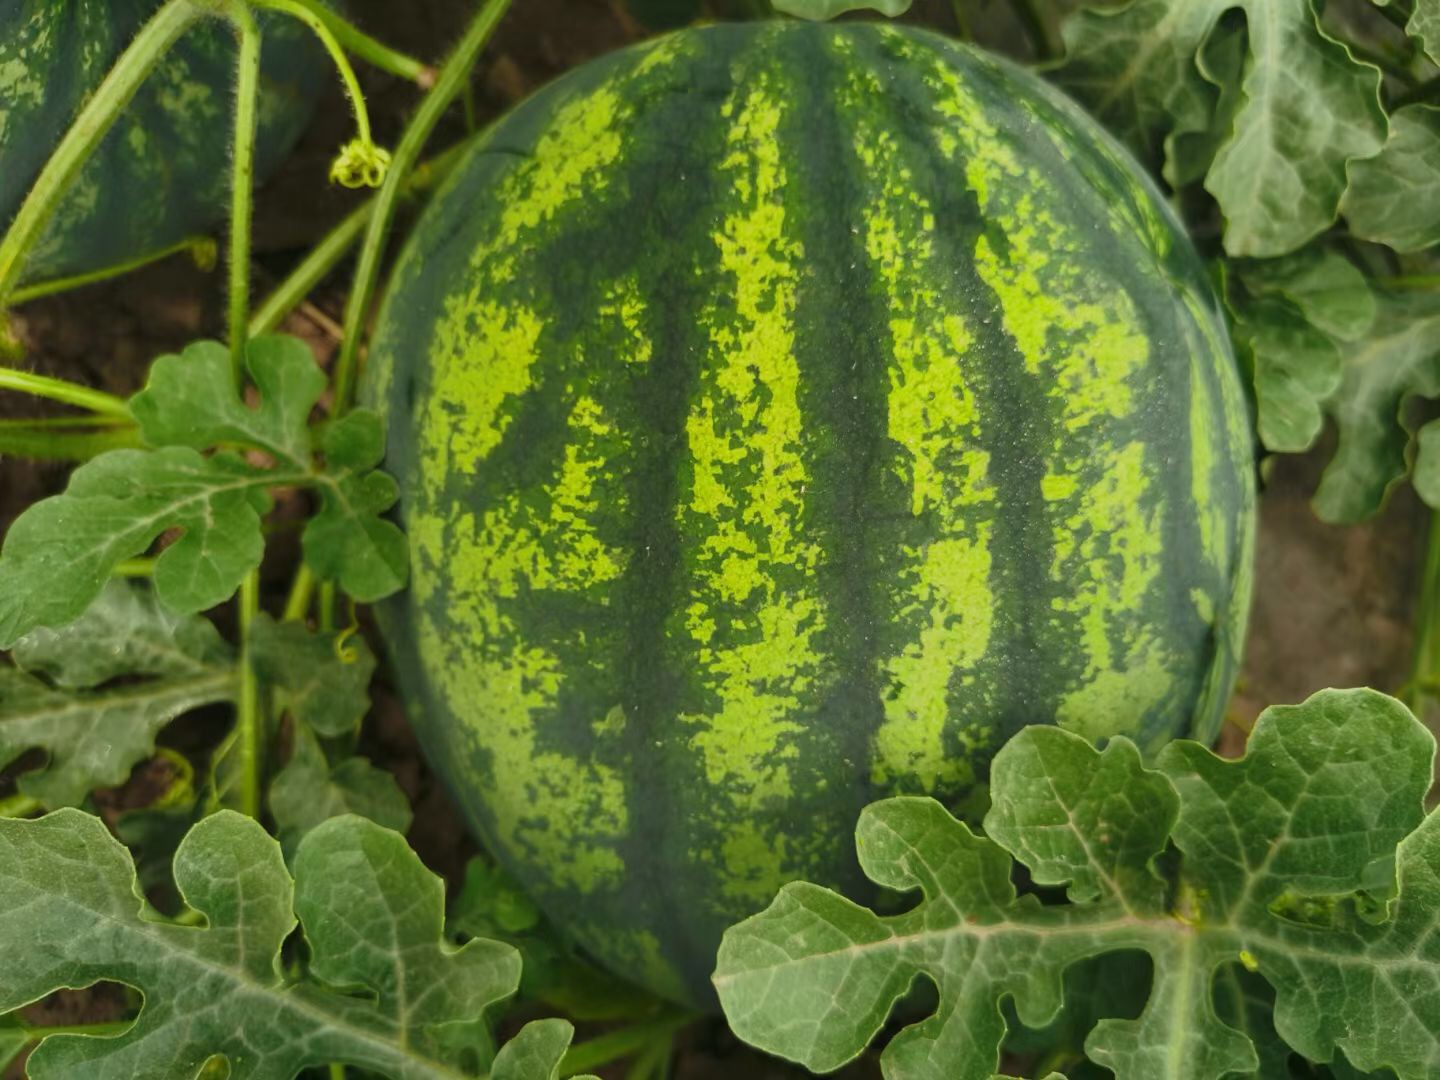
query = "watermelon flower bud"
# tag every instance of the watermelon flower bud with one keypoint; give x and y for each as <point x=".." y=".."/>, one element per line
<point x="360" y="164"/>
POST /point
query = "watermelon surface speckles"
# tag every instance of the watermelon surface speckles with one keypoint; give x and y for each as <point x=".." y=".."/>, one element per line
<point x="785" y="415"/>
<point x="163" y="171"/>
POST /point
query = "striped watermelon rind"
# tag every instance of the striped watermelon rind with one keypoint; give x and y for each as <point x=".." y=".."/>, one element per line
<point x="785" y="415"/>
<point x="163" y="172"/>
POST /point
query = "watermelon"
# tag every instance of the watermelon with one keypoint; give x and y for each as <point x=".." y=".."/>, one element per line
<point x="785" y="415"/>
<point x="163" y="171"/>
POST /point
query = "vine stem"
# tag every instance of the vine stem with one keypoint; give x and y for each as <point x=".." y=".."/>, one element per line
<point x="41" y="440"/>
<point x="202" y="250"/>
<point x="963" y="30"/>
<point x="311" y="18"/>
<point x="247" y="93"/>
<point x="452" y="77"/>
<point x="69" y="393"/>
<point x="1413" y="281"/>
<point x="94" y="121"/>
<point x="249" y="726"/>
<point x="249" y="730"/>
<point x="302" y="590"/>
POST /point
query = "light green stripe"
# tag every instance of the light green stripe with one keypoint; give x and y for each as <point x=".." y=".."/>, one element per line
<point x="945" y="588"/>
<point x="753" y="616"/>
<point x="1208" y="447"/>
<point x="564" y="811"/>
<point x="1081" y="339"/>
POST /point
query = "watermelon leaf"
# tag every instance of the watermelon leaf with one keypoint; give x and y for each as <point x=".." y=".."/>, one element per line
<point x="1297" y="369"/>
<point x="321" y="679"/>
<point x="1394" y="197"/>
<point x="348" y="541"/>
<point x="126" y="631"/>
<point x="1424" y="25"/>
<point x="820" y="10"/>
<point x="490" y="904"/>
<point x="535" y="1053"/>
<point x="1292" y="315"/>
<point x="1309" y="107"/>
<point x="371" y="915"/>
<point x="1397" y="361"/>
<point x="60" y="551"/>
<point x="1287" y="865"/>
<point x="190" y="400"/>
<point x="94" y="734"/>
<point x="308" y="790"/>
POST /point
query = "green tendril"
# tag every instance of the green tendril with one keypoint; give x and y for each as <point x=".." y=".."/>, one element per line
<point x="344" y="651"/>
<point x="361" y="164"/>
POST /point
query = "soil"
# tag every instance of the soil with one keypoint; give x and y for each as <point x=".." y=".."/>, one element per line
<point x="1333" y="605"/>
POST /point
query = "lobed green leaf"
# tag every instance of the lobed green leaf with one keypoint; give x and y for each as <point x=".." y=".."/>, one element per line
<point x="1305" y="108"/>
<point x="1424" y="25"/>
<point x="1394" y="197"/>
<point x="536" y="1052"/>
<point x="321" y="678"/>
<point x="190" y="399"/>
<point x="1397" y="361"/>
<point x="94" y="734"/>
<point x="348" y="540"/>
<point x="308" y="791"/>
<point x="382" y="991"/>
<point x="1297" y="369"/>
<point x="1284" y="855"/>
<point x="60" y="552"/>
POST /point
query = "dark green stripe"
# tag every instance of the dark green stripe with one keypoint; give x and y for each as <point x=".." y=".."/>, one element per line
<point x="1163" y="395"/>
<point x="1022" y="677"/>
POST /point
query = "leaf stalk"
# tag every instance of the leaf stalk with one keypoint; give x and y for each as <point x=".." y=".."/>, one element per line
<point x="100" y="112"/>
<point x="201" y="249"/>
<point x="67" y="393"/>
